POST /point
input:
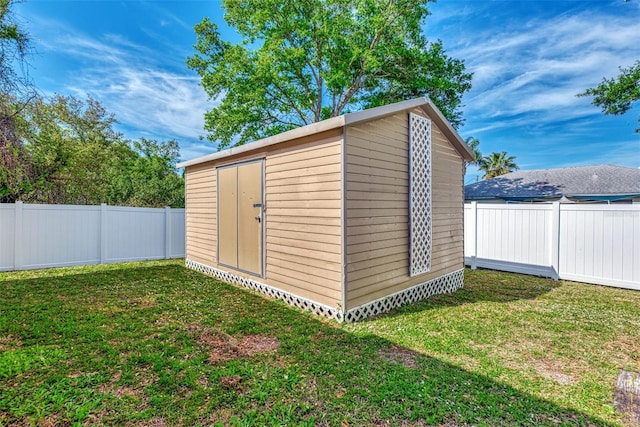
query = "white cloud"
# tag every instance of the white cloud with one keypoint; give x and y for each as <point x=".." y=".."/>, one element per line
<point x="541" y="65"/>
<point x="151" y="100"/>
<point x="527" y="73"/>
<point x="145" y="84"/>
<point x="131" y="82"/>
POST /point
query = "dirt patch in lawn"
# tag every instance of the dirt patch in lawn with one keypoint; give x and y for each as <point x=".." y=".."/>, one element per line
<point x="203" y="382"/>
<point x="624" y="350"/>
<point x="50" y="421"/>
<point x="536" y="357"/>
<point x="223" y="347"/>
<point x="46" y="421"/>
<point x="141" y="302"/>
<point x="405" y="357"/>
<point x="553" y="370"/>
<point x="153" y="422"/>
<point x="416" y="423"/>
<point x="9" y="342"/>
<point x="233" y="382"/>
<point x="144" y="378"/>
<point x="255" y="344"/>
<point x="122" y="391"/>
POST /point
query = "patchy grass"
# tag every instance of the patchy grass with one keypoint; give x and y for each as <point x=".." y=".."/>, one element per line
<point x="155" y="344"/>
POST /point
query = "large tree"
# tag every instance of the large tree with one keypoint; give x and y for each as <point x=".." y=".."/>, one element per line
<point x="15" y="93"/>
<point x="307" y="60"/>
<point x="72" y="144"/>
<point x="67" y="151"/>
<point x="15" y="161"/>
<point x="147" y="175"/>
<point x="496" y="164"/>
<point x="617" y="95"/>
<point x="14" y="47"/>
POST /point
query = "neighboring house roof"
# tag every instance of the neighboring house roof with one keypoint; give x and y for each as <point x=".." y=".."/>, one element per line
<point x="601" y="182"/>
<point x="347" y="119"/>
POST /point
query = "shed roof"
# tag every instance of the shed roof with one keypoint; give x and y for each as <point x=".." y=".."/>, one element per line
<point x="600" y="182"/>
<point x="345" y="120"/>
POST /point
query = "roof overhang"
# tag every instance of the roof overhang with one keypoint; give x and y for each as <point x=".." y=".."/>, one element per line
<point x="342" y="121"/>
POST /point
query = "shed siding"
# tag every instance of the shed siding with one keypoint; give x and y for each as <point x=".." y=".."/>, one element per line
<point x="378" y="212"/>
<point x="201" y="239"/>
<point x="303" y="219"/>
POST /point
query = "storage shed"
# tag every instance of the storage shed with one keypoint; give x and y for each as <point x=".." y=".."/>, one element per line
<point x="348" y="217"/>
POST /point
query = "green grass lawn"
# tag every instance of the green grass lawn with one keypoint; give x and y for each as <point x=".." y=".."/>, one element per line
<point x="154" y="344"/>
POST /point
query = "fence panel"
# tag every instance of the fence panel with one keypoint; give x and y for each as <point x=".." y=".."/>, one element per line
<point x="509" y="237"/>
<point x="601" y="244"/>
<point x="41" y="236"/>
<point x="134" y="234"/>
<point x="595" y="243"/>
<point x="54" y="236"/>
<point x="517" y="234"/>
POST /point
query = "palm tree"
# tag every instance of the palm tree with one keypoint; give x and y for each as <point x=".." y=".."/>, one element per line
<point x="473" y="144"/>
<point x="496" y="164"/>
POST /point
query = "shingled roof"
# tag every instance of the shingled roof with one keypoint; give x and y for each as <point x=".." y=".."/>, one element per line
<point x="601" y="182"/>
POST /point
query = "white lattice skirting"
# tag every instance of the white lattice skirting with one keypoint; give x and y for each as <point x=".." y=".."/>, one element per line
<point x="289" y="298"/>
<point x="440" y="285"/>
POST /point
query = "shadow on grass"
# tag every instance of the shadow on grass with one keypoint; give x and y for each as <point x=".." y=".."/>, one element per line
<point x="497" y="286"/>
<point x="485" y="285"/>
<point x="368" y="380"/>
<point x="160" y="372"/>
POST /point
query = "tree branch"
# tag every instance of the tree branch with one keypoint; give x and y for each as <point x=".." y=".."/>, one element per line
<point x="290" y="103"/>
<point x="356" y="85"/>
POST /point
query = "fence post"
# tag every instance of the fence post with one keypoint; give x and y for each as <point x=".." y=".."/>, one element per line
<point x="474" y="235"/>
<point x="18" y="240"/>
<point x="103" y="233"/>
<point x="555" y="240"/>
<point x="167" y="232"/>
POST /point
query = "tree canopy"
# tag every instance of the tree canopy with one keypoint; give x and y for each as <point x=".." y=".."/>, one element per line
<point x="617" y="95"/>
<point x="304" y="61"/>
<point x="496" y="164"/>
<point x="66" y="151"/>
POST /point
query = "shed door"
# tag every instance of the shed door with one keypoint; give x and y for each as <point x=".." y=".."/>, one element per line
<point x="240" y="217"/>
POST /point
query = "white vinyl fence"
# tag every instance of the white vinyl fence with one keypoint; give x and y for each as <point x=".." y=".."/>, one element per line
<point x="42" y="236"/>
<point x="592" y="243"/>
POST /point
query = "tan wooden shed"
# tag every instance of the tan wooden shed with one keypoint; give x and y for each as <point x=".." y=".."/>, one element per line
<point x="348" y="217"/>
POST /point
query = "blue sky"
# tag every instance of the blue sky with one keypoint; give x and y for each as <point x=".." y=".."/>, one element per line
<point x="529" y="58"/>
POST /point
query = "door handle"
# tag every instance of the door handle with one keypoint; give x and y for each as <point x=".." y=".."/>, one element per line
<point x="259" y="219"/>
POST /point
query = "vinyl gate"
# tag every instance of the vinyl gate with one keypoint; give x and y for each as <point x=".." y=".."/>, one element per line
<point x="592" y="243"/>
